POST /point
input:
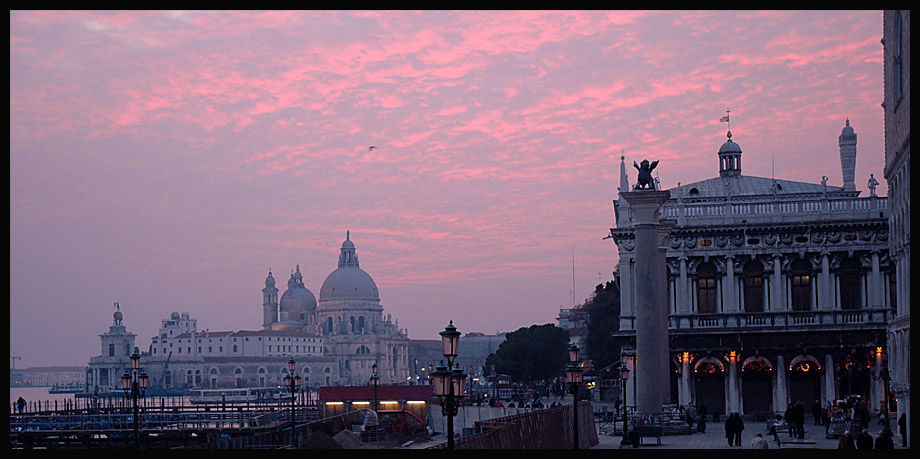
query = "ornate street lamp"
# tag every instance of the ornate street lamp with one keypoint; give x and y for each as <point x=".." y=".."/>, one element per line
<point x="292" y="381"/>
<point x="375" y="380"/>
<point x="449" y="383"/>
<point x="134" y="386"/>
<point x="624" y="376"/>
<point x="574" y="378"/>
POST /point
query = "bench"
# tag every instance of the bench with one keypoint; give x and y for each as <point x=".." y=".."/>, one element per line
<point x="648" y="432"/>
<point x="796" y="443"/>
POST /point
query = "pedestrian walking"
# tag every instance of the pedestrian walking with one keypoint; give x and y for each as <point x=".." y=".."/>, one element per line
<point x="21" y="404"/>
<point x="799" y="419"/>
<point x="816" y="412"/>
<point x="902" y="427"/>
<point x="730" y="429"/>
<point x="739" y="426"/>
<point x="758" y="442"/>
<point x="789" y="415"/>
<point x="883" y="441"/>
<point x="846" y="441"/>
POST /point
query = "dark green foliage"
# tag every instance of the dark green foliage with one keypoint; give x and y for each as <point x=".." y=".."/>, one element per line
<point x="538" y="352"/>
<point x="604" y="311"/>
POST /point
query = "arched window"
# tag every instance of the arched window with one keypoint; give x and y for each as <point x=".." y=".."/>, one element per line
<point x="706" y="292"/>
<point x="329" y="325"/>
<point x="361" y="324"/>
<point x="801" y="285"/>
<point x="850" y="291"/>
<point x="753" y="286"/>
<point x="352" y="320"/>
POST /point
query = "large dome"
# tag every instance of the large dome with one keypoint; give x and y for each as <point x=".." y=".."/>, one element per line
<point x="297" y="297"/>
<point x="349" y="281"/>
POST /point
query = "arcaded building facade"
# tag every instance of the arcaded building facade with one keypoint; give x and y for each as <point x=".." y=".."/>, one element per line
<point x="779" y="291"/>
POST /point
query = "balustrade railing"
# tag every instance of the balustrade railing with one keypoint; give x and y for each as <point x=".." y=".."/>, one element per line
<point x="718" y="209"/>
<point x="768" y="319"/>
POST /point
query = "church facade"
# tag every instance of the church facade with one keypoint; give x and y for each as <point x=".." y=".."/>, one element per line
<point x="779" y="291"/>
<point x="333" y="341"/>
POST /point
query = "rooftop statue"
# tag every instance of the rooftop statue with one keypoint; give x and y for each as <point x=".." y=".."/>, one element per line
<point x="645" y="175"/>
<point x="872" y="184"/>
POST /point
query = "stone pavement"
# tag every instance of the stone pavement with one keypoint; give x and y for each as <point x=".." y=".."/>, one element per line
<point x="714" y="438"/>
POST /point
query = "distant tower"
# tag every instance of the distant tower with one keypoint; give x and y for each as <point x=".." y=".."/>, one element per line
<point x="269" y="302"/>
<point x="729" y="158"/>
<point x="848" y="157"/>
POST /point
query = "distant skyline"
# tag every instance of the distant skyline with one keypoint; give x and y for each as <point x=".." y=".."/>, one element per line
<point x="166" y="160"/>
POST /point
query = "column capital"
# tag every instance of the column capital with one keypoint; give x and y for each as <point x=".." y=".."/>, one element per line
<point x="646" y="205"/>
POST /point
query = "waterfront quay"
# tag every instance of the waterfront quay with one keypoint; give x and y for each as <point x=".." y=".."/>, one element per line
<point x="178" y="426"/>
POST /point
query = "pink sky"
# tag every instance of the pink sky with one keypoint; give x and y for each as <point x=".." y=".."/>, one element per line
<point x="167" y="160"/>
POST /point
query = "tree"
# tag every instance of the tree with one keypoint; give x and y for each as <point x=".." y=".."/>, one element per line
<point x="604" y="313"/>
<point x="538" y="352"/>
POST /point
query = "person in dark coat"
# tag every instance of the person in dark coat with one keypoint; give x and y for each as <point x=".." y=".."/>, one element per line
<point x="799" y="420"/>
<point x="883" y="441"/>
<point x="816" y="412"/>
<point x="902" y="427"/>
<point x="863" y="439"/>
<point x="789" y="415"/>
<point x="730" y="429"/>
<point x="21" y="404"/>
<point x="733" y="427"/>
<point x="739" y="426"/>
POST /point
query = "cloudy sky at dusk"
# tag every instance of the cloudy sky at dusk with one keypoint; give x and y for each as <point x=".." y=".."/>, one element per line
<point x="168" y="160"/>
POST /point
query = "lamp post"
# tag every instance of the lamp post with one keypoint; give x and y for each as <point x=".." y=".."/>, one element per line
<point x="375" y="380"/>
<point x="886" y="379"/>
<point x="134" y="386"/>
<point x="624" y="376"/>
<point x="449" y="382"/>
<point x="573" y="378"/>
<point x="292" y="381"/>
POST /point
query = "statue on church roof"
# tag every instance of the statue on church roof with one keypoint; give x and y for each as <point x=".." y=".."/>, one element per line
<point x="644" y="180"/>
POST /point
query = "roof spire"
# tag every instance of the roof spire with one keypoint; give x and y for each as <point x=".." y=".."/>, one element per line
<point x="624" y="180"/>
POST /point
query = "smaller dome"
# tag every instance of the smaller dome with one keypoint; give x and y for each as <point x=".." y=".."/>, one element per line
<point x="270" y="280"/>
<point x="174" y="316"/>
<point x="298" y="299"/>
<point x="729" y="146"/>
<point x="847" y="130"/>
<point x="348" y="244"/>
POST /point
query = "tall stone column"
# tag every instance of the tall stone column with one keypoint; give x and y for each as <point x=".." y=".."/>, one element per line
<point x="830" y="391"/>
<point x="733" y="405"/>
<point x="686" y="398"/>
<point x="779" y="403"/>
<point x="651" y="302"/>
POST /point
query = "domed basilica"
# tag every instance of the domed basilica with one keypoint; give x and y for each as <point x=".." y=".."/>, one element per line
<point x="348" y="316"/>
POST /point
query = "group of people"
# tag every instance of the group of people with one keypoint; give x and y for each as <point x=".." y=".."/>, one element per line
<point x="863" y="440"/>
<point x="795" y="419"/>
<point x="734" y="425"/>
